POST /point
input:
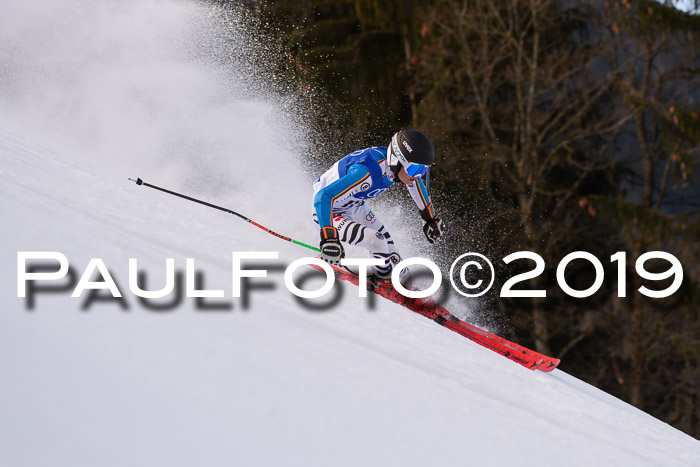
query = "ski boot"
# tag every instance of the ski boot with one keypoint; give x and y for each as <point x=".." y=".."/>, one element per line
<point x="375" y="283"/>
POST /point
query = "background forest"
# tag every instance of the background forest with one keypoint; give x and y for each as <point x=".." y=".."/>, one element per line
<point x="559" y="125"/>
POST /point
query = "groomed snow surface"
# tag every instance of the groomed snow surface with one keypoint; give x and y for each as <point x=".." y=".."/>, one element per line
<point x="83" y="106"/>
<point x="276" y="384"/>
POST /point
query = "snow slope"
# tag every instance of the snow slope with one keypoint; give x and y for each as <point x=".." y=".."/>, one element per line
<point x="274" y="383"/>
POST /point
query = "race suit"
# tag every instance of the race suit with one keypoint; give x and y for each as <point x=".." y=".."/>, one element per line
<point x="339" y="201"/>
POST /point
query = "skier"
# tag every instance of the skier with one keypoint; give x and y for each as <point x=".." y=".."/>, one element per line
<point x="340" y="194"/>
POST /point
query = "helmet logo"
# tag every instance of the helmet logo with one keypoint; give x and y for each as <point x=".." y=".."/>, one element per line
<point x="407" y="146"/>
<point x="397" y="152"/>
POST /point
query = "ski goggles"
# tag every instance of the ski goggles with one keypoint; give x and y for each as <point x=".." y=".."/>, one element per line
<point x="416" y="170"/>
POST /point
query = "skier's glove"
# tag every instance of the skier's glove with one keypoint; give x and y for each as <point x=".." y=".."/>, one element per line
<point x="331" y="249"/>
<point x="433" y="227"/>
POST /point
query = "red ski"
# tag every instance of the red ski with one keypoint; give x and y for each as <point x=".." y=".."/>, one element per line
<point x="429" y="308"/>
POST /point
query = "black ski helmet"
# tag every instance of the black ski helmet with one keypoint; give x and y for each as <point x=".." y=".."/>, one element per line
<point x="409" y="147"/>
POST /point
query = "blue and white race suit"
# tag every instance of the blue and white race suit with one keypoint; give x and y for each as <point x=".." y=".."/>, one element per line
<point x="339" y="201"/>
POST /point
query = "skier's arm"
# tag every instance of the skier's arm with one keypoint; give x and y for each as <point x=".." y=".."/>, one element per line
<point x="324" y="199"/>
<point x="420" y="196"/>
<point x="433" y="226"/>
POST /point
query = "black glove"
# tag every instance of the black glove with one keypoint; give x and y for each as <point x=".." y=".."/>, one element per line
<point x="433" y="227"/>
<point x="331" y="249"/>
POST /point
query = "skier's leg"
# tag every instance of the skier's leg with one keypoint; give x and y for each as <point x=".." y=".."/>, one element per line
<point x="361" y="227"/>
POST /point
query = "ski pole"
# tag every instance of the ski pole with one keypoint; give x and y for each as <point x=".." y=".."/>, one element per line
<point x="138" y="181"/>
